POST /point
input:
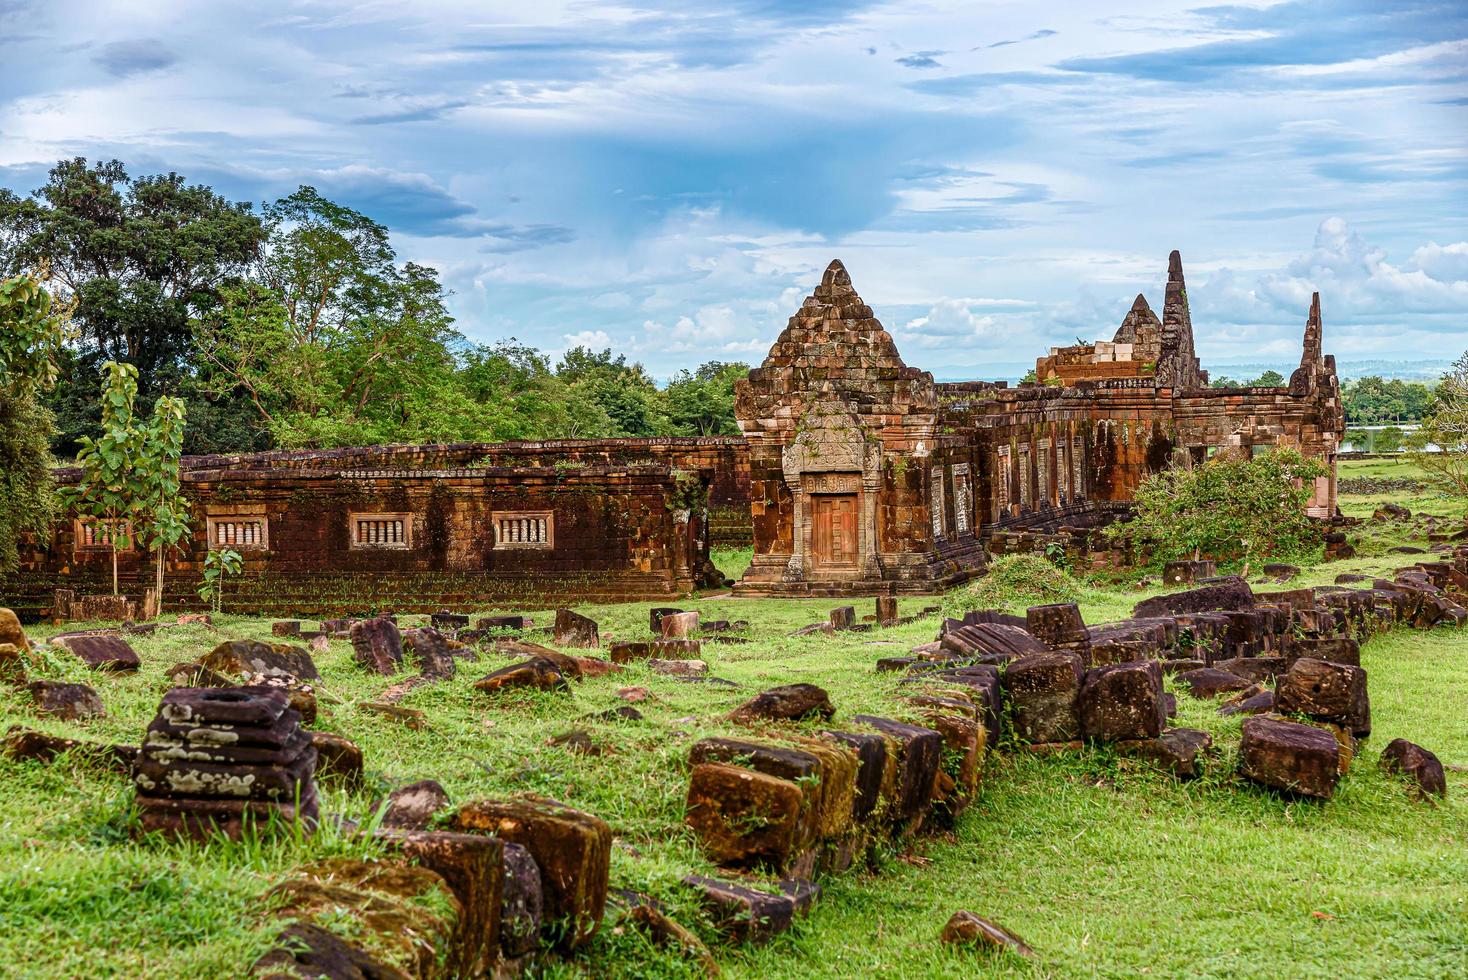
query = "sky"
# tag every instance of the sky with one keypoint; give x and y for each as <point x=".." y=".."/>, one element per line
<point x="669" y="178"/>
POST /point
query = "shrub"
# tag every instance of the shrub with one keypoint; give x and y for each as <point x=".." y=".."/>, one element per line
<point x="1014" y="583"/>
<point x="1232" y="507"/>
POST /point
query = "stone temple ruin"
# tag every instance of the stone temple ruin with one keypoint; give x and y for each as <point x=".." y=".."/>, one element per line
<point x="855" y="474"/>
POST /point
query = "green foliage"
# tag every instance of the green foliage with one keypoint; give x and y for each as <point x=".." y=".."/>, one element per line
<point x="32" y="329"/>
<point x="1374" y="401"/>
<point x="1231" y="507"/>
<point x="112" y="489"/>
<point x="218" y="567"/>
<point x="162" y="510"/>
<point x="1014" y="583"/>
<point x="701" y="403"/>
<point x="1269" y="379"/>
<point x="1445" y="427"/>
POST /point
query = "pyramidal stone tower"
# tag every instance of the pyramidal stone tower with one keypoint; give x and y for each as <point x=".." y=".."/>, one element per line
<point x="847" y="470"/>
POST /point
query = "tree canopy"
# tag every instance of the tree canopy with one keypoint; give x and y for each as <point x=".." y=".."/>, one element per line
<point x="298" y="325"/>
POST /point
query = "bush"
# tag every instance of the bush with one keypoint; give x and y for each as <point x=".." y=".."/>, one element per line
<point x="1232" y="507"/>
<point x="1014" y="583"/>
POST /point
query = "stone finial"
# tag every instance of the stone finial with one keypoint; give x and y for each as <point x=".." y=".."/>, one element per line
<point x="1140" y="303"/>
<point x="1175" y="266"/>
<point x="1313" y="333"/>
<point x="836" y="275"/>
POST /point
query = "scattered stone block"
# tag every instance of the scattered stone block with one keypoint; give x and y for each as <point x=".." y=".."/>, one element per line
<point x="286" y="628"/>
<point x="377" y="645"/>
<point x="788" y="703"/>
<point x="871" y="770"/>
<point x="574" y="630"/>
<point x="503" y="623"/>
<point x="1042" y="690"/>
<point x="571" y="848"/>
<point x="69" y="702"/>
<point x="429" y="650"/>
<point x="473" y="867"/>
<point x="237" y="657"/>
<point x="745" y="914"/>
<point x="11" y="631"/>
<point x="678" y="668"/>
<point x="917" y="754"/>
<point x="1187" y="572"/>
<point x="216" y="759"/>
<point x="1391" y="512"/>
<point x="307" y="950"/>
<point x="1230" y="592"/>
<point x="967" y="929"/>
<point x="668" y="933"/>
<point x="679" y="626"/>
<point x="100" y="652"/>
<point x="744" y="818"/>
<point x="1209" y="682"/>
<point x="337" y="757"/>
<point x="412" y="807"/>
<point x="445" y="621"/>
<point x="1246" y="703"/>
<point x="1122" y="702"/>
<point x="1289" y="756"/>
<point x="626" y="653"/>
<point x="886" y="610"/>
<point x="522" y="908"/>
<point x="538" y="674"/>
<point x="655" y="618"/>
<point x="1421" y="766"/>
<point x="843" y="617"/>
<point x="24" y="743"/>
<point x="197" y="675"/>
<point x="1326" y="691"/>
<point x="1176" y="750"/>
<point x="408" y="910"/>
<point x="13" y="664"/>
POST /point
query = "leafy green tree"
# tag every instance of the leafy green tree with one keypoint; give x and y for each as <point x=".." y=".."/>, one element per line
<point x="32" y="330"/>
<point x="1441" y="444"/>
<point x="219" y="565"/>
<point x="111" y="489"/>
<point x="163" y="512"/>
<point x="1229" y="508"/>
<point x="624" y="392"/>
<point x="139" y="257"/>
<point x="1373" y="400"/>
<point x="701" y="403"/>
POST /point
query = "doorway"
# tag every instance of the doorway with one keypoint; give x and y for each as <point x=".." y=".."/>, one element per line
<point x="833" y="526"/>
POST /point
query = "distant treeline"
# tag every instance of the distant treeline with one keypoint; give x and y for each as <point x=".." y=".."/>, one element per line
<point x="297" y="325"/>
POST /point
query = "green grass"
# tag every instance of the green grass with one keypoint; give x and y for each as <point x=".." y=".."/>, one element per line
<point x="1428" y="499"/>
<point x="1105" y="867"/>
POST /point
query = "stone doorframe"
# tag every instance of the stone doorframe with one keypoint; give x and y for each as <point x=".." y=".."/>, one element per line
<point x="832" y="454"/>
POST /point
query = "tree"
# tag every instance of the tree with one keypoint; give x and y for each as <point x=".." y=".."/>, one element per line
<point x="139" y="256"/>
<point x="163" y="511"/>
<point x="623" y="391"/>
<point x="1441" y="444"/>
<point x="701" y="403"/>
<point x="111" y="488"/>
<point x="1231" y="507"/>
<point x="32" y="330"/>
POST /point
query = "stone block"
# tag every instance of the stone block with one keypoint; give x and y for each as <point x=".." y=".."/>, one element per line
<point x="571" y="848"/>
<point x="1421" y="766"/>
<point x="522" y="910"/>
<point x="746" y="914"/>
<point x="68" y="702"/>
<point x="1177" y="750"/>
<point x="1289" y="756"/>
<point x="788" y="703"/>
<point x="744" y="818"/>
<point x="537" y="674"/>
<point x="1122" y="701"/>
<point x="413" y="806"/>
<point x="679" y="626"/>
<point x="100" y="652"/>
<point x="1209" y="682"/>
<point x="377" y="645"/>
<point x="473" y="867"/>
<point x="1326" y="691"/>
<point x="1042" y="690"/>
<point x="574" y="630"/>
<point x="916" y="754"/>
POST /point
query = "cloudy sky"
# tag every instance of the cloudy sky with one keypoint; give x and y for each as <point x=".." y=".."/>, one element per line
<point x="668" y="177"/>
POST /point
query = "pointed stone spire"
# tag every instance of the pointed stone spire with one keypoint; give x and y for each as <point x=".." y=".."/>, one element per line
<point x="1140" y="303"/>
<point x="1177" y="364"/>
<point x="1313" y="335"/>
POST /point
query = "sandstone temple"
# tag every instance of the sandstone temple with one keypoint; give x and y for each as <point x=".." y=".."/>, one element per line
<point x="855" y="474"/>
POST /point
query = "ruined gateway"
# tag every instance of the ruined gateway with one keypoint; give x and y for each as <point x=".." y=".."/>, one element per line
<point x="856" y="474"/>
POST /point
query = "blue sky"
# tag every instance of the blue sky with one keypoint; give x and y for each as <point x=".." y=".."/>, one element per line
<point x="669" y="178"/>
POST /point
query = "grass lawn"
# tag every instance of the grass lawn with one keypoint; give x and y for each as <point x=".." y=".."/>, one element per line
<point x="1104" y="867"/>
<point x="1427" y="499"/>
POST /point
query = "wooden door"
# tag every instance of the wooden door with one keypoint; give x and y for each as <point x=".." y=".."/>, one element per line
<point x="834" y="530"/>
